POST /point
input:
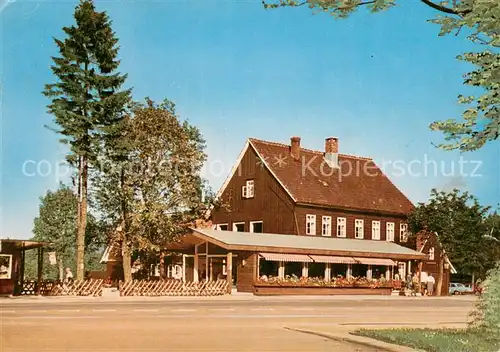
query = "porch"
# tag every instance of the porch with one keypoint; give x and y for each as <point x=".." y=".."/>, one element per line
<point x="268" y="264"/>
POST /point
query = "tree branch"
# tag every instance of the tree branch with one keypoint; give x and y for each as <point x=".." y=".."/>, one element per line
<point x="444" y="8"/>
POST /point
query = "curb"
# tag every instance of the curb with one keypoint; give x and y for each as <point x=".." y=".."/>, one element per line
<point x="359" y="340"/>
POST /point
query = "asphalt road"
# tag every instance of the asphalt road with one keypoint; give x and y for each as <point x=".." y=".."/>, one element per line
<point x="205" y="325"/>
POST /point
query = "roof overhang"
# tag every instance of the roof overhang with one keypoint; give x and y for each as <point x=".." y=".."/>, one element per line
<point x="23" y="244"/>
<point x="198" y="236"/>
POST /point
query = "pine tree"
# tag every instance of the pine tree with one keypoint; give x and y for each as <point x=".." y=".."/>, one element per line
<point x="88" y="102"/>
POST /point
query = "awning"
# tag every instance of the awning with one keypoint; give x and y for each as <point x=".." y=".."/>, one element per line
<point x="279" y="257"/>
<point x="333" y="259"/>
<point x="375" y="261"/>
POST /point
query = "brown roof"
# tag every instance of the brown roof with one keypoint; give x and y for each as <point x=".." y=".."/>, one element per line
<point x="359" y="183"/>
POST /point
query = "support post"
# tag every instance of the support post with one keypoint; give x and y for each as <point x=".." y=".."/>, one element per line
<point x="229" y="271"/>
<point x="281" y="270"/>
<point x="196" y="264"/>
<point x="328" y="272"/>
<point x="183" y="268"/>
<point x="388" y="273"/>
<point x="419" y="273"/>
<point x="305" y="270"/>
<point x="40" y="271"/>
<point x="206" y="262"/>
<point x="211" y="270"/>
<point x="369" y="272"/>
<point x="349" y="271"/>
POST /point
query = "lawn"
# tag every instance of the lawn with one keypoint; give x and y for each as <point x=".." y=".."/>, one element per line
<point x="437" y="340"/>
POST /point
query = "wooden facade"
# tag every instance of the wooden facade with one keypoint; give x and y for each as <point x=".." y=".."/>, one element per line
<point x="12" y="260"/>
<point x="273" y="206"/>
<point x="282" y="200"/>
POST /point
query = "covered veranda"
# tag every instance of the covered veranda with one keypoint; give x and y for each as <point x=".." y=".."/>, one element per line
<point x="249" y="259"/>
<point x="12" y="264"/>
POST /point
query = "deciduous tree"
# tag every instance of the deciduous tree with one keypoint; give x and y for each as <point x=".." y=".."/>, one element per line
<point x="87" y="100"/>
<point x="150" y="186"/>
<point x="479" y="20"/>
<point x="56" y="223"/>
<point x="458" y="220"/>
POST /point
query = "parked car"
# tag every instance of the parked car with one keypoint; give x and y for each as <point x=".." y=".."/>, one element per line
<point x="459" y="289"/>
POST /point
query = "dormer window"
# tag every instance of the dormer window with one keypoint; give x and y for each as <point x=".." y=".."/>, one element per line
<point x="247" y="191"/>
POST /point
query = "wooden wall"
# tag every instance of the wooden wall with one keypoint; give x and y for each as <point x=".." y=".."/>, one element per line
<point x="247" y="274"/>
<point x="271" y="204"/>
<point x="7" y="286"/>
<point x="351" y="216"/>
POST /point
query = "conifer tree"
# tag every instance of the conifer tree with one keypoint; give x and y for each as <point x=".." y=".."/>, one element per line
<point x="88" y="101"/>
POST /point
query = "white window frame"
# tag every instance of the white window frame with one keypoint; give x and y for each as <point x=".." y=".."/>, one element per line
<point x="252" y="223"/>
<point x="219" y="225"/>
<point x="341" y="227"/>
<point x="431" y="253"/>
<point x="403" y="232"/>
<point x="248" y="191"/>
<point x="359" y="223"/>
<point x="238" y="223"/>
<point x="310" y="224"/>
<point x="326" y="225"/>
<point x="375" y="230"/>
<point x="389" y="230"/>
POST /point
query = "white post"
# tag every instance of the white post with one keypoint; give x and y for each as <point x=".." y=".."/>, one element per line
<point x="196" y="263"/>
<point x="349" y="271"/>
<point x="369" y="272"/>
<point x="281" y="270"/>
<point x="305" y="270"/>
<point x="206" y="262"/>
<point x="409" y="267"/>
<point x="328" y="272"/>
<point x="183" y="268"/>
<point x="388" y="273"/>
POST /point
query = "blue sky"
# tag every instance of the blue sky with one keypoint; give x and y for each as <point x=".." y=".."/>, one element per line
<point x="238" y="71"/>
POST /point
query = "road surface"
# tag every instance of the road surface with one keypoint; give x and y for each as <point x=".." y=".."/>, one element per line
<point x="212" y="325"/>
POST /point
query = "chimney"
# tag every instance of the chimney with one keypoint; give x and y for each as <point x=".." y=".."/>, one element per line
<point x="295" y="147"/>
<point x="331" y="151"/>
<point x="331" y="145"/>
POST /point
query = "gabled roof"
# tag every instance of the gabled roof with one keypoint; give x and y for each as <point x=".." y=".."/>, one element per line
<point x="358" y="184"/>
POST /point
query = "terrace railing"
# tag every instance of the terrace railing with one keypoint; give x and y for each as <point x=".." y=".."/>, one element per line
<point x="173" y="288"/>
<point x="94" y="287"/>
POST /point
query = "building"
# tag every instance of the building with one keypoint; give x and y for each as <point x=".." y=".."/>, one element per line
<point x="295" y="220"/>
<point x="325" y="196"/>
<point x="12" y="263"/>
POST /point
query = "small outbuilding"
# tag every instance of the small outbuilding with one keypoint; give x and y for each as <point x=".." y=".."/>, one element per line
<point x="12" y="264"/>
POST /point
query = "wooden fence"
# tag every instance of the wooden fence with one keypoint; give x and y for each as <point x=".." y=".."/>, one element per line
<point x="173" y="288"/>
<point x="93" y="287"/>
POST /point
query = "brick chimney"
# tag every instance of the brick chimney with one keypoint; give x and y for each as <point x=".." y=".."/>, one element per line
<point x="295" y="147"/>
<point x="332" y="145"/>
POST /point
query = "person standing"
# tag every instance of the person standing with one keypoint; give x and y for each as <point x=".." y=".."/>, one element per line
<point x="430" y="285"/>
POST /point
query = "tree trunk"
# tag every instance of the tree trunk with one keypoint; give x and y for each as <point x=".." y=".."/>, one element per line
<point x="82" y="224"/>
<point x="61" y="269"/>
<point x="126" y="255"/>
<point x="126" y="261"/>
<point x="439" y="284"/>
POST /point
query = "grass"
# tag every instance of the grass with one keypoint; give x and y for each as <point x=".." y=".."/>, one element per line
<point x="437" y="340"/>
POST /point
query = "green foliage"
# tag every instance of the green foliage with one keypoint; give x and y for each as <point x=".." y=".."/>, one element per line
<point x="459" y="221"/>
<point x="437" y="340"/>
<point x="56" y="223"/>
<point x="87" y="102"/>
<point x="479" y="19"/>
<point x="487" y="314"/>
<point x="151" y="184"/>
